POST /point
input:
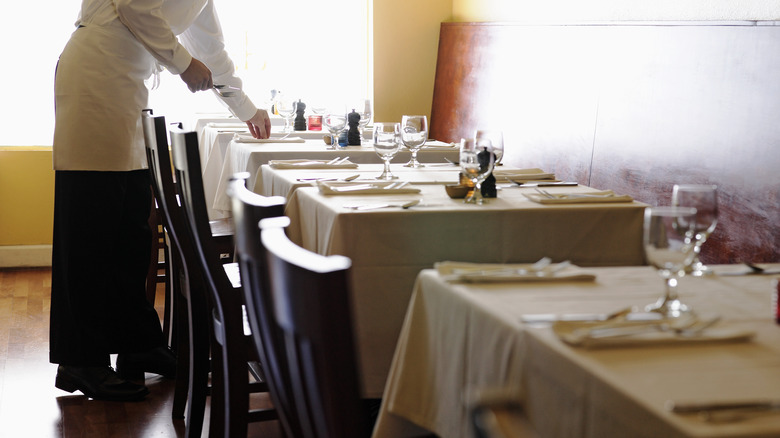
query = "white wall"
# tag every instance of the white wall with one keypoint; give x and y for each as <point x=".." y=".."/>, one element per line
<point x="614" y="10"/>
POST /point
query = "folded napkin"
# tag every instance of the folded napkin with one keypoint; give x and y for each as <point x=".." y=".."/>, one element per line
<point x="640" y="333"/>
<point x="578" y="198"/>
<point x="311" y="164"/>
<point x="368" y="188"/>
<point x="247" y="138"/>
<point x="498" y="273"/>
<point x="439" y="145"/>
<point x="523" y="175"/>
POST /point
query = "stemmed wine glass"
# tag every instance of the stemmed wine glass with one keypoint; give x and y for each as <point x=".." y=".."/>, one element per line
<point x="386" y="145"/>
<point x="414" y="133"/>
<point x="476" y="163"/>
<point x="704" y="198"/>
<point x="335" y="123"/>
<point x="669" y="241"/>
<point x="365" y="116"/>
<point x="286" y="106"/>
<point x="495" y="137"/>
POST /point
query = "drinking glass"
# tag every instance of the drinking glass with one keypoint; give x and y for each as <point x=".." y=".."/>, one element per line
<point x="669" y="241"/>
<point x="704" y="198"/>
<point x="414" y="133"/>
<point x="496" y="138"/>
<point x="335" y="123"/>
<point x="365" y="116"/>
<point x="476" y="163"/>
<point x="386" y="145"/>
<point x="285" y="106"/>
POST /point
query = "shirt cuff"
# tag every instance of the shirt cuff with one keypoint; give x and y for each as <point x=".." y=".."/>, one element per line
<point x="245" y="111"/>
<point x="181" y="60"/>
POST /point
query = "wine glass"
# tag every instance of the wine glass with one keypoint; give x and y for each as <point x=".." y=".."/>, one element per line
<point x="476" y="163"/>
<point x="285" y="106"/>
<point x="669" y="241"/>
<point x="496" y="138"/>
<point x="335" y="123"/>
<point x="414" y="133"/>
<point x="386" y="145"/>
<point x="704" y="198"/>
<point x="365" y="116"/>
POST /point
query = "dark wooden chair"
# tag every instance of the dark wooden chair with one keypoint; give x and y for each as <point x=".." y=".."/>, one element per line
<point x="311" y="295"/>
<point x="160" y="272"/>
<point x="232" y="349"/>
<point x="248" y="209"/>
<point x="191" y="298"/>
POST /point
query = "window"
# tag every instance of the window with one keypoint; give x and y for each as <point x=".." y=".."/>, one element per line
<point x="314" y="50"/>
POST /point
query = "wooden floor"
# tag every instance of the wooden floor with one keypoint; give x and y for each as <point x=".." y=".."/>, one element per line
<point x="30" y="405"/>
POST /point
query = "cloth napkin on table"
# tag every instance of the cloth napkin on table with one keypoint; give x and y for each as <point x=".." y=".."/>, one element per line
<point x="522" y="175"/>
<point x="247" y="138"/>
<point x="641" y="333"/>
<point x="436" y="145"/>
<point x="310" y="164"/>
<point x="579" y="198"/>
<point x="499" y="273"/>
<point x="370" y="188"/>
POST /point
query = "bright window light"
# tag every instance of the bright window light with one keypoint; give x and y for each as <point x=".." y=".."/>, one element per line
<point x="314" y="50"/>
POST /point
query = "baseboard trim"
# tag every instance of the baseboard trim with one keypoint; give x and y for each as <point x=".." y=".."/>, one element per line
<point x="23" y="256"/>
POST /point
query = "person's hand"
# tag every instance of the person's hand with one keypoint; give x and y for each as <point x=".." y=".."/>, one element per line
<point x="260" y="124"/>
<point x="197" y="76"/>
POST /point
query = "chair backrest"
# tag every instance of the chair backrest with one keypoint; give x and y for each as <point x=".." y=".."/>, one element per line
<point x="311" y="295"/>
<point x="159" y="161"/>
<point x="189" y="182"/>
<point x="248" y="209"/>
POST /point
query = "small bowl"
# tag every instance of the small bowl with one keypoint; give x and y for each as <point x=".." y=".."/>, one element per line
<point x="457" y="191"/>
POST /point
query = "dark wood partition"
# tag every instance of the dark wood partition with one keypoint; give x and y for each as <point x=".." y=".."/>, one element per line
<point x="633" y="107"/>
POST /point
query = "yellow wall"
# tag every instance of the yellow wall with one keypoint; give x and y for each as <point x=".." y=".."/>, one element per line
<point x="406" y="40"/>
<point x="26" y="196"/>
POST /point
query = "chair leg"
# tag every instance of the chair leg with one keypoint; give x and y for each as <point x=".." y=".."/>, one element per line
<point x="181" y="329"/>
<point x="199" y="334"/>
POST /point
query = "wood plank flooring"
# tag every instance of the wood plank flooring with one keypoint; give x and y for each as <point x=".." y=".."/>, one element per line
<point x="30" y="405"/>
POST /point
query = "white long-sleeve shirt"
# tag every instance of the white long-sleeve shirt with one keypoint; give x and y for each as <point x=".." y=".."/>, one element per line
<point x="100" y="90"/>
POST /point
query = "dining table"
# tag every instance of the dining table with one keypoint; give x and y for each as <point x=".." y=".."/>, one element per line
<point x="214" y="136"/>
<point x="243" y="154"/>
<point x="389" y="244"/>
<point x="539" y="344"/>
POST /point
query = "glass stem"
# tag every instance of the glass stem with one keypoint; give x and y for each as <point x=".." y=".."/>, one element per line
<point x="671" y="289"/>
<point x="478" y="191"/>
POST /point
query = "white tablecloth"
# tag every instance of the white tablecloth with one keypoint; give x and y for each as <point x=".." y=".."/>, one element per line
<point x="248" y="157"/>
<point x="389" y="247"/>
<point x="459" y="340"/>
<point x="282" y="182"/>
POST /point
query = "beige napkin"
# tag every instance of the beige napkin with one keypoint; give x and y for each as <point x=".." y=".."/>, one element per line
<point x="645" y="333"/>
<point x="368" y="188"/>
<point x="498" y="273"/>
<point x="522" y="175"/>
<point x="579" y="198"/>
<point x="310" y="164"/>
<point x="247" y="138"/>
<point x="436" y="145"/>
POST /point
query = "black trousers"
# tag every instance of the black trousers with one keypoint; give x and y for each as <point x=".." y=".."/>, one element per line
<point x="100" y="258"/>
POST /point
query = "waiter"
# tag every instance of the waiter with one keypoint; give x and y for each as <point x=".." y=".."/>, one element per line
<point x="102" y="194"/>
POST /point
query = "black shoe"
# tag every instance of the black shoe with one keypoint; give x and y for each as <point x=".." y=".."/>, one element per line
<point x="99" y="383"/>
<point x="160" y="360"/>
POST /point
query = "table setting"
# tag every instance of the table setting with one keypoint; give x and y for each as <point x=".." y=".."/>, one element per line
<point x="675" y="352"/>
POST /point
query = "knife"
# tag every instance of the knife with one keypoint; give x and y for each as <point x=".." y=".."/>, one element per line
<point x="749" y="405"/>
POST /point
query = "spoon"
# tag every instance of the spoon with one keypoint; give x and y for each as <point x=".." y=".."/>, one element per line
<point x="223" y="90"/>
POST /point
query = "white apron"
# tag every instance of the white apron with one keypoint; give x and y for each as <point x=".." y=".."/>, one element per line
<point x="99" y="94"/>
